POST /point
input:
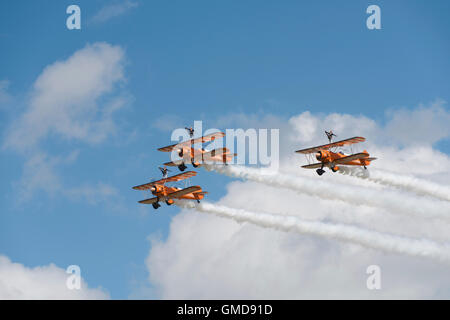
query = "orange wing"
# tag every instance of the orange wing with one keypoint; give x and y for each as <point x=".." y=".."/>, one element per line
<point x="178" y="177"/>
<point x="182" y="192"/>
<point x="175" y="195"/>
<point x="352" y="157"/>
<point x="188" y="143"/>
<point x="331" y="145"/>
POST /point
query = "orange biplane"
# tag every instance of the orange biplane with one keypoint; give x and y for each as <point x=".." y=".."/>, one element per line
<point x="187" y="153"/>
<point x="169" y="193"/>
<point x="332" y="159"/>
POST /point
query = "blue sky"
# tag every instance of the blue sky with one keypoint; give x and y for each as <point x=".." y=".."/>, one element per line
<point x="187" y="61"/>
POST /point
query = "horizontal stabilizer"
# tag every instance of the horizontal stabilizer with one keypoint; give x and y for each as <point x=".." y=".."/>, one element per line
<point x="313" y="166"/>
<point x="149" y="201"/>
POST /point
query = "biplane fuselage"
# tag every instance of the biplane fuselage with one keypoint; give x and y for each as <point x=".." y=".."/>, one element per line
<point x="199" y="156"/>
<point x="163" y="192"/>
<point x="329" y="158"/>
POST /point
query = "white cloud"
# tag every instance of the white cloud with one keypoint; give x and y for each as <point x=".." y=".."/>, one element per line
<point x="421" y="126"/>
<point x="212" y="257"/>
<point x="44" y="282"/>
<point x="70" y="99"/>
<point x="113" y="10"/>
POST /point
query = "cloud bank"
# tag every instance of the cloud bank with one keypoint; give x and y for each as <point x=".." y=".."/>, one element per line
<point x="216" y="257"/>
<point x="69" y="99"/>
<point x="43" y="282"/>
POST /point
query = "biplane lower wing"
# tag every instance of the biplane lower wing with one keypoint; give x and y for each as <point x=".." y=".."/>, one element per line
<point x="313" y="166"/>
<point x="352" y="157"/>
<point x="332" y="145"/>
<point x="182" y="192"/>
<point x="216" y="152"/>
<point x="219" y="155"/>
<point x="174" y="195"/>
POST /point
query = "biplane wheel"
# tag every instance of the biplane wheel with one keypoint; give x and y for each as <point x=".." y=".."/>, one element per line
<point x="156" y="205"/>
<point x="320" y="172"/>
<point x="198" y="201"/>
<point x="182" y="167"/>
<point x="334" y="169"/>
<point x="169" y="203"/>
<point x="194" y="164"/>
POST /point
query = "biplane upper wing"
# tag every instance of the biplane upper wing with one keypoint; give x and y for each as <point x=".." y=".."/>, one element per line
<point x="313" y="166"/>
<point x="182" y="192"/>
<point x="332" y="145"/>
<point x="352" y="157"/>
<point x="207" y="138"/>
<point x="178" y="177"/>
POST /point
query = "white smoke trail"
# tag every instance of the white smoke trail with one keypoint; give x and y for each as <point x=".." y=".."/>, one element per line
<point x="347" y="233"/>
<point x="407" y="183"/>
<point x="393" y="202"/>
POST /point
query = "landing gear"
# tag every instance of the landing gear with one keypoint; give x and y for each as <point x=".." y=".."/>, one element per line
<point x="198" y="201"/>
<point x="182" y="167"/>
<point x="195" y="165"/>
<point x="156" y="205"/>
<point x="169" y="202"/>
<point x="320" y="172"/>
<point x="334" y="168"/>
